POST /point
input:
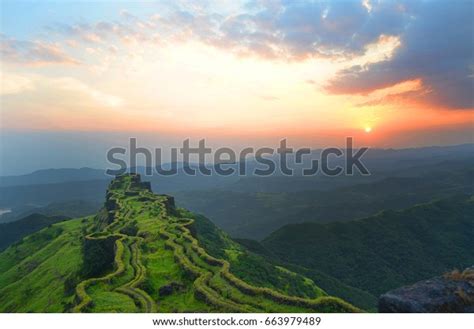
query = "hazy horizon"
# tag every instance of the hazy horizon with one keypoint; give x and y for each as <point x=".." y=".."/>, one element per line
<point x="90" y="152"/>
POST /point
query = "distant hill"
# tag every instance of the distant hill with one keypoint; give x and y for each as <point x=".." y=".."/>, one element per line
<point x="385" y="251"/>
<point x="68" y="208"/>
<point x="53" y="176"/>
<point x="69" y="184"/>
<point x="254" y="215"/>
<point x="13" y="232"/>
<point x="41" y="195"/>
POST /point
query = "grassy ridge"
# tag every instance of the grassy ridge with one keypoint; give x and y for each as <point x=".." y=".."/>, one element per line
<point x="157" y="263"/>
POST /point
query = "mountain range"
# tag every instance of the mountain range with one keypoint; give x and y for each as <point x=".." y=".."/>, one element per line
<point x="299" y="243"/>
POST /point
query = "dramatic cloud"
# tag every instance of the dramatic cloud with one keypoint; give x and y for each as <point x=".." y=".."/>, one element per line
<point x="436" y="47"/>
<point x="290" y="29"/>
<point x="429" y="41"/>
<point x="298" y="29"/>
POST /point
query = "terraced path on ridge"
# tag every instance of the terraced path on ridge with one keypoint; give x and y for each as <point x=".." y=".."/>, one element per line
<point x="154" y="249"/>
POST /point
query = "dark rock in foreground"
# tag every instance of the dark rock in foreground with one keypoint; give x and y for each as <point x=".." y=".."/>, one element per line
<point x="451" y="293"/>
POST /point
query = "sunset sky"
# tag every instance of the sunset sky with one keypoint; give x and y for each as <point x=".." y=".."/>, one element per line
<point x="79" y="76"/>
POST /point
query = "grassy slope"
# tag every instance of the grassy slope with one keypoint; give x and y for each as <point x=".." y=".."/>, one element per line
<point x="156" y="264"/>
<point x="37" y="274"/>
<point x="385" y="251"/>
<point x="12" y="232"/>
<point x="251" y="267"/>
<point x="329" y="284"/>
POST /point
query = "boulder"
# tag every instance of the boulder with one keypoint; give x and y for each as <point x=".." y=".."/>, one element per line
<point x="451" y="293"/>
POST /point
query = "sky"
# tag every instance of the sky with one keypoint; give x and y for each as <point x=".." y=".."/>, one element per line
<point x="78" y="77"/>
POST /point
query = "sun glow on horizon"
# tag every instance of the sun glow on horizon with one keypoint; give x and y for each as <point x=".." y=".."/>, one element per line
<point x="165" y="79"/>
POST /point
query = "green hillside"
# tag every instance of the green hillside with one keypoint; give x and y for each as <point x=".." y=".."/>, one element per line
<point x="329" y="284"/>
<point x="141" y="254"/>
<point x="12" y="232"/>
<point x="387" y="250"/>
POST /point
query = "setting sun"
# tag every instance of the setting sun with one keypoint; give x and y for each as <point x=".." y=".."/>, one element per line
<point x="368" y="129"/>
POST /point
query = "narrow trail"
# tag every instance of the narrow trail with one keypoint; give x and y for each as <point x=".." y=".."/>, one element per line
<point x="184" y="255"/>
<point x="147" y="304"/>
<point x="143" y="301"/>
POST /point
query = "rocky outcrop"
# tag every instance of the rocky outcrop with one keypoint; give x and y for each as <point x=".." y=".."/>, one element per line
<point x="98" y="256"/>
<point x="136" y="183"/>
<point x="110" y="203"/>
<point x="451" y="293"/>
<point x="169" y="204"/>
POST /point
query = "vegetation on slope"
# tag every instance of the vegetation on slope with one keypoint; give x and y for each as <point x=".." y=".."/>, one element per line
<point x="249" y="266"/>
<point x="329" y="284"/>
<point x="150" y="259"/>
<point x="387" y="250"/>
<point x="12" y="232"/>
<point x="39" y="274"/>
